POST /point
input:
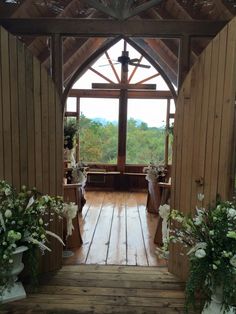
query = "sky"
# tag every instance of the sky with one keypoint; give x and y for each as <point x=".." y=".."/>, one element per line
<point x="154" y="111"/>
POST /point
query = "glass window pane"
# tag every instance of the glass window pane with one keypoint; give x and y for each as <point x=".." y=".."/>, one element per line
<point x="71" y="104"/>
<point x="99" y="130"/>
<point x="146" y="131"/>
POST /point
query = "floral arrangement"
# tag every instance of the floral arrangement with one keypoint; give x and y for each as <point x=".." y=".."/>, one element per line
<point x="155" y="172"/>
<point x="210" y="237"/>
<point x="79" y="173"/>
<point x="24" y="219"/>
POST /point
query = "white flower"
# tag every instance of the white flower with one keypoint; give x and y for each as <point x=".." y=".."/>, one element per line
<point x="200" y="253"/>
<point x="214" y="266"/>
<point x="31" y="201"/>
<point x="198" y="220"/>
<point x="198" y="246"/>
<point x="233" y="261"/>
<point x="7" y="191"/>
<point x="164" y="211"/>
<point x="8" y="213"/>
<point x="231" y="213"/>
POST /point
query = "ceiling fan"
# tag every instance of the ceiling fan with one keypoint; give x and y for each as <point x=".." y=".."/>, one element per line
<point x="124" y="59"/>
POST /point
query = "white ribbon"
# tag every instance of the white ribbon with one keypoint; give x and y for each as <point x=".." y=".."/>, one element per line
<point x="70" y="212"/>
<point x="164" y="211"/>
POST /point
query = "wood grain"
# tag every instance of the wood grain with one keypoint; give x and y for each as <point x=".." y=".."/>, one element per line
<point x="116" y="230"/>
<point x="31" y="129"/>
<point x="204" y="133"/>
<point x="105" y="289"/>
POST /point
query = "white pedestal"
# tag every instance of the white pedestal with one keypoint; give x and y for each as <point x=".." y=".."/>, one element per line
<point x="17" y="292"/>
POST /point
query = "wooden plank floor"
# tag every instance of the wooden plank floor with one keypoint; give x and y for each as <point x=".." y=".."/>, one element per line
<point x="104" y="289"/>
<point x="116" y="230"/>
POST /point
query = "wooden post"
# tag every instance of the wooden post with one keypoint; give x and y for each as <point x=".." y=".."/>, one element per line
<point x="57" y="62"/>
<point x="78" y="118"/>
<point x="167" y="134"/>
<point x="122" y="129"/>
<point x="184" y="59"/>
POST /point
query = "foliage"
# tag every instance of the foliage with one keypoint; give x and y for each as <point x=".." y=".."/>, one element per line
<point x="170" y="129"/>
<point x="211" y="237"/>
<point x="71" y="128"/>
<point x="23" y="219"/>
<point x="99" y="142"/>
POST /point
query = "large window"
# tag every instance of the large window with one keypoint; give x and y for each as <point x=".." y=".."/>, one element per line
<point x="98" y="139"/>
<point x="146" y="131"/>
<point x="122" y="120"/>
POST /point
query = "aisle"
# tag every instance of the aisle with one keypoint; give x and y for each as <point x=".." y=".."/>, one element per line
<point x="116" y="230"/>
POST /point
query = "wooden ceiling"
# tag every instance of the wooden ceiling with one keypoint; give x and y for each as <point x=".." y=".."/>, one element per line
<point x="77" y="51"/>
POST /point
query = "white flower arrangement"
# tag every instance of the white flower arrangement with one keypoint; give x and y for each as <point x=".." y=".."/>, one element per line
<point x="210" y="239"/>
<point x="79" y="173"/>
<point x="24" y="218"/>
<point x="155" y="172"/>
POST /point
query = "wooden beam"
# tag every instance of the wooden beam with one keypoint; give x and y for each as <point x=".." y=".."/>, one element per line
<point x="123" y="86"/>
<point x="101" y="75"/>
<point x="110" y="28"/>
<point x="141" y="8"/>
<point x="57" y="62"/>
<point x="184" y="59"/>
<point x="89" y="93"/>
<point x="148" y="78"/>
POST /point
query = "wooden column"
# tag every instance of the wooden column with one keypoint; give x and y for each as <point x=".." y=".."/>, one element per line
<point x="167" y="134"/>
<point x="184" y="59"/>
<point x="78" y="118"/>
<point x="57" y="62"/>
<point x="122" y="130"/>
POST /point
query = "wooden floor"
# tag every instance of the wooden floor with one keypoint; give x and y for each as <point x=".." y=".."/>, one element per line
<point x="116" y="230"/>
<point x="104" y="289"/>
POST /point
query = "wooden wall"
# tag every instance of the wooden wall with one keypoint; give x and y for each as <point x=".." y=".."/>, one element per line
<point x="31" y="125"/>
<point x="204" y="137"/>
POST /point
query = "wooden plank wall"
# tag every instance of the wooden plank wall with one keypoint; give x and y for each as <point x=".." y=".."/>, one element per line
<point x="204" y="132"/>
<point x="31" y="128"/>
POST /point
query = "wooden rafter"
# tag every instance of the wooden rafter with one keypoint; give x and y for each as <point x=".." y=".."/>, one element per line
<point x="112" y="66"/>
<point x="108" y="28"/>
<point x="148" y="78"/>
<point x="135" y="69"/>
<point x="101" y="75"/>
<point x="123" y="86"/>
<point x="122" y="9"/>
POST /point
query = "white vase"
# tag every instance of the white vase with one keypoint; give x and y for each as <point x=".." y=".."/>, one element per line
<point x="215" y="306"/>
<point x="16" y="291"/>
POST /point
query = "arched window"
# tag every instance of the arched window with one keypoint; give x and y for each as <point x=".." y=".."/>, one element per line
<point x="124" y="108"/>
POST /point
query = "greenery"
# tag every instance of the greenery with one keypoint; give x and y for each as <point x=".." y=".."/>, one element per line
<point x="99" y="142"/>
<point x="24" y="218"/>
<point x="71" y="129"/>
<point x="211" y="237"/>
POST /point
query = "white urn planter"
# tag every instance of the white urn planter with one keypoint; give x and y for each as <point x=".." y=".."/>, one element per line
<point x="16" y="291"/>
<point x="215" y="306"/>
